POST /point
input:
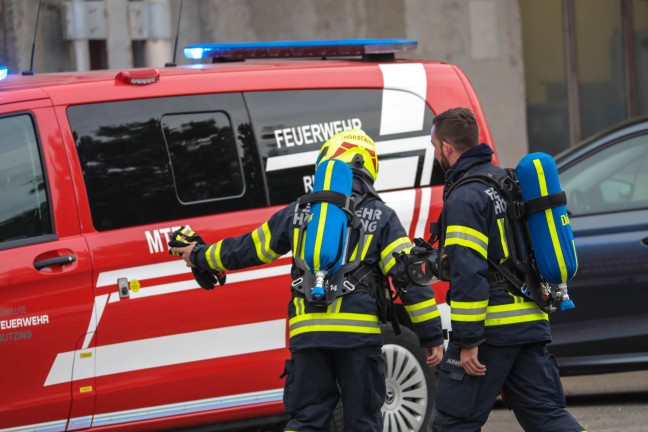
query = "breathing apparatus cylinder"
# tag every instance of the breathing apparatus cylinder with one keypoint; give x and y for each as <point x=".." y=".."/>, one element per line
<point x="327" y="226"/>
<point x="550" y="232"/>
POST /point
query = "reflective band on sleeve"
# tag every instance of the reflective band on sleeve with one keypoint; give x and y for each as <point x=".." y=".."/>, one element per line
<point x="468" y="311"/>
<point x="213" y="256"/>
<point x="514" y="313"/>
<point x="398" y="245"/>
<point x="500" y="225"/>
<point x="335" y="322"/>
<point x="261" y="238"/>
<point x="467" y="237"/>
<point x="550" y="221"/>
<point x="423" y="311"/>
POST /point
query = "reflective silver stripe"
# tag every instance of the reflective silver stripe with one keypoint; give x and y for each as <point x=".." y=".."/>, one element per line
<point x="423" y="311"/>
<point x="334" y="322"/>
<point x="385" y="261"/>
<point x="466" y="236"/>
<point x="462" y="311"/>
<point x="261" y="241"/>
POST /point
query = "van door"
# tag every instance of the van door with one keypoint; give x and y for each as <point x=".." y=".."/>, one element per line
<point x="164" y="346"/>
<point x="45" y="286"/>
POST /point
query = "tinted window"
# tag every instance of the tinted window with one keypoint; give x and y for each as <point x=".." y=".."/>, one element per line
<point x="613" y="179"/>
<point x="204" y="159"/>
<point x="126" y="148"/>
<point x="291" y="126"/>
<point x="25" y="211"/>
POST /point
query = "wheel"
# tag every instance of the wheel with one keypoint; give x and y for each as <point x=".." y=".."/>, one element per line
<point x="411" y="385"/>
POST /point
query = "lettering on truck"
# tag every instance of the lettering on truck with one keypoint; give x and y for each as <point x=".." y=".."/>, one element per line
<point x="313" y="133"/>
<point x="157" y="239"/>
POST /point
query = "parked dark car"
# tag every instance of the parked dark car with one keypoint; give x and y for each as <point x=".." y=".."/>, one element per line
<point x="606" y="182"/>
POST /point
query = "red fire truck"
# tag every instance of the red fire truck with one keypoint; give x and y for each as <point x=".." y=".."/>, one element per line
<point x="100" y="328"/>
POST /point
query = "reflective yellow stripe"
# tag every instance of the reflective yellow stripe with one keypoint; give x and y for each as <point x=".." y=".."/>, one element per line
<point x="423" y="311"/>
<point x="354" y="253"/>
<point x="575" y="256"/>
<point x="295" y="238"/>
<point x="261" y="238"/>
<point x="468" y="311"/>
<point x="398" y="245"/>
<point x="365" y="248"/>
<point x="300" y="306"/>
<point x="322" y="218"/>
<point x="514" y="313"/>
<point x="467" y="237"/>
<point x="335" y="306"/>
<point x="500" y="225"/>
<point x="188" y="232"/>
<point x="542" y="181"/>
<point x="337" y="322"/>
<point x="213" y="256"/>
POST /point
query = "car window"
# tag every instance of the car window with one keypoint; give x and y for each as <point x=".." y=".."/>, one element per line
<point x="204" y="160"/>
<point x="25" y="211"/>
<point x="152" y="160"/>
<point x="292" y="125"/>
<point x="612" y="179"/>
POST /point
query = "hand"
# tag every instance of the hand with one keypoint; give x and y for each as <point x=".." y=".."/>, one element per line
<point x="184" y="252"/>
<point x="470" y="362"/>
<point x="434" y="355"/>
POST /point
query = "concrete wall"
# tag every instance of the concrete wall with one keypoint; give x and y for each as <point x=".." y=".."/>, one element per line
<point x="483" y="37"/>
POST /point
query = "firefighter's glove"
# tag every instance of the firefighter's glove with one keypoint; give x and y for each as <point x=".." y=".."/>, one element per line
<point x="418" y="266"/>
<point x="184" y="236"/>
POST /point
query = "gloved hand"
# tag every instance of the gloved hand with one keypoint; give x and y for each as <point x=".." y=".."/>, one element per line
<point x="184" y="236"/>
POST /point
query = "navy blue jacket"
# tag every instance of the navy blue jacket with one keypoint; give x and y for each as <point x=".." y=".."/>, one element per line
<point x="472" y="232"/>
<point x="350" y="320"/>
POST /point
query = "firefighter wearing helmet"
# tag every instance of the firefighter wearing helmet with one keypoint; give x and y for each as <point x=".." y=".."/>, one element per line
<point x="334" y="335"/>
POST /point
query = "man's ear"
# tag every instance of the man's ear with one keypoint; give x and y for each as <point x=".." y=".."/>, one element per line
<point x="447" y="148"/>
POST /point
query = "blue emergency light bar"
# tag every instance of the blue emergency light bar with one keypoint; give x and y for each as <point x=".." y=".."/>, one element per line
<point x="283" y="49"/>
<point x="3" y="72"/>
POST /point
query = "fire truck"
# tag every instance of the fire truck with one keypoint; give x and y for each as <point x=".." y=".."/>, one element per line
<point x="100" y="328"/>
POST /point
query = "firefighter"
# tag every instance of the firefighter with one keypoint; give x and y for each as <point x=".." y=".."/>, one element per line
<point x="336" y="344"/>
<point x="498" y="339"/>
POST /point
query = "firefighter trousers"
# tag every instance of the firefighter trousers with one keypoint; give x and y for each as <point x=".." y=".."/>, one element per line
<point x="311" y="391"/>
<point x="526" y="375"/>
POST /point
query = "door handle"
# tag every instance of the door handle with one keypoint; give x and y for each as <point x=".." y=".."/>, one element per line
<point x="60" y="260"/>
<point x="645" y="241"/>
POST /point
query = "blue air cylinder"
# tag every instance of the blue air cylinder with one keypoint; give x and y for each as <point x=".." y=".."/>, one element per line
<point x="551" y="235"/>
<point x="326" y="230"/>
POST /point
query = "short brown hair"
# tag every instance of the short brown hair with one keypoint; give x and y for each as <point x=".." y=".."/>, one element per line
<point x="458" y="127"/>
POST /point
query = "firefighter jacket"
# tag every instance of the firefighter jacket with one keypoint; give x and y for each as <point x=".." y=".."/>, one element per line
<point x="350" y="320"/>
<point x="471" y="228"/>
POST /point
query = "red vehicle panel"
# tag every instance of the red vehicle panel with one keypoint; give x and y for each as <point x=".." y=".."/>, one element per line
<point x="121" y="336"/>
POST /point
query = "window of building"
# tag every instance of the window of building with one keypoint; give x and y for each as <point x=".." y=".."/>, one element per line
<point x="25" y="211"/>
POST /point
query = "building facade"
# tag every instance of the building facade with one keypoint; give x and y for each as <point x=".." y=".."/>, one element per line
<point x="547" y="73"/>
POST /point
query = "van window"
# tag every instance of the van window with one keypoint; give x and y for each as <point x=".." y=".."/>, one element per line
<point x="291" y="126"/>
<point x="204" y="159"/>
<point x="157" y="160"/>
<point x="25" y="211"/>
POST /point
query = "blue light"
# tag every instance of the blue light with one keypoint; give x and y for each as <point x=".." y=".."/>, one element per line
<point x="283" y="49"/>
<point x="3" y="72"/>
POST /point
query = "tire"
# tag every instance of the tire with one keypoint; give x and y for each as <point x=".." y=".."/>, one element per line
<point x="411" y="385"/>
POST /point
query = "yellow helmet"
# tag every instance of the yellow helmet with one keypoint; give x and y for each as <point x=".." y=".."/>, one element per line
<point x="354" y="147"/>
